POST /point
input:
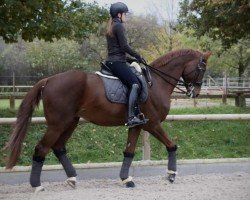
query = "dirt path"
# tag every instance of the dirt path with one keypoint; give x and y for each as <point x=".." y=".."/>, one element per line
<point x="209" y="186"/>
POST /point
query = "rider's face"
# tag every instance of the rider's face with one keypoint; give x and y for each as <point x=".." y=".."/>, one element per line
<point x="122" y="17"/>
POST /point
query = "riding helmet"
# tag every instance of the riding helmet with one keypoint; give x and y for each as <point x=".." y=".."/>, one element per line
<point x="118" y="7"/>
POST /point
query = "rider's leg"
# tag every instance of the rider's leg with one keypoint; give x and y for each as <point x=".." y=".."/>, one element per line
<point x="133" y="120"/>
<point x="127" y="77"/>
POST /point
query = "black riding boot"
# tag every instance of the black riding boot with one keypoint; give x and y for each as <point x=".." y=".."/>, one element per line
<point x="133" y="109"/>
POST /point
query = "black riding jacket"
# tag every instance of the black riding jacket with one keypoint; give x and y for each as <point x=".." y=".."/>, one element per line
<point x="117" y="44"/>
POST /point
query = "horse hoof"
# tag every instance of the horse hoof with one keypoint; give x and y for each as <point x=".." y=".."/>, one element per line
<point x="71" y="182"/>
<point x="39" y="189"/>
<point x="171" y="178"/>
<point x="130" y="184"/>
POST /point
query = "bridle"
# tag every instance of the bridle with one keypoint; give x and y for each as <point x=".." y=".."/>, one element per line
<point x="199" y="70"/>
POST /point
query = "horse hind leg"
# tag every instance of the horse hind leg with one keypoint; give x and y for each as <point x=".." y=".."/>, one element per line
<point x="61" y="153"/>
<point x="37" y="164"/>
<point x="41" y="150"/>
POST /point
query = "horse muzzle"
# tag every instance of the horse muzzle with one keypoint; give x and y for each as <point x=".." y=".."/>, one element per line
<point x="192" y="93"/>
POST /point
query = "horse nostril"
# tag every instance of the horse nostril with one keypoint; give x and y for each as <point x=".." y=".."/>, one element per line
<point x="197" y="95"/>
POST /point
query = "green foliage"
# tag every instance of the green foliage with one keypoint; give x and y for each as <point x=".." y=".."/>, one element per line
<point x="227" y="20"/>
<point x="141" y="35"/>
<point x="94" y="50"/>
<point x="145" y="35"/>
<point x="91" y="143"/>
<point x="40" y="58"/>
<point x="221" y="60"/>
<point x="224" y="109"/>
<point x="6" y="112"/>
<point x="49" y="19"/>
<point x="226" y="23"/>
<point x="237" y="58"/>
<point x="51" y="58"/>
<point x="12" y="57"/>
<point x="220" y="139"/>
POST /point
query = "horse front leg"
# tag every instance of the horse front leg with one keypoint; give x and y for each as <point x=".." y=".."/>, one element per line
<point x="162" y="136"/>
<point x="133" y="134"/>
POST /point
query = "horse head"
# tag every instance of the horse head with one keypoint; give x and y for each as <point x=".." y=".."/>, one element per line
<point x="193" y="74"/>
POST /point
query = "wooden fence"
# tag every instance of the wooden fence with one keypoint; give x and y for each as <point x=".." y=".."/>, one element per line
<point x="146" y="140"/>
<point x="239" y="93"/>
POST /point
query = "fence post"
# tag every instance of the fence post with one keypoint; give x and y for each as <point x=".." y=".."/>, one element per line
<point x="12" y="102"/>
<point x="12" y="97"/>
<point x="195" y="102"/>
<point x="224" y="95"/>
<point x="240" y="99"/>
<point x="146" y="146"/>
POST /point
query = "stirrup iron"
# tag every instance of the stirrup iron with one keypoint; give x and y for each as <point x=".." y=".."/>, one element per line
<point x="141" y="116"/>
<point x="135" y="121"/>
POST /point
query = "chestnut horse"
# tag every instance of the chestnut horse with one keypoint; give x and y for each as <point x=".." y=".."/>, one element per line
<point x="74" y="94"/>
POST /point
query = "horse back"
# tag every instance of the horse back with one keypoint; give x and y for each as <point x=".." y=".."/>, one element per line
<point x="79" y="94"/>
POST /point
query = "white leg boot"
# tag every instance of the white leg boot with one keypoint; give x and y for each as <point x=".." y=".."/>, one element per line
<point x="71" y="181"/>
<point x="39" y="189"/>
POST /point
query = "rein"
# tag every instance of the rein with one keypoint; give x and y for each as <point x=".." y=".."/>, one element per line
<point x="162" y="74"/>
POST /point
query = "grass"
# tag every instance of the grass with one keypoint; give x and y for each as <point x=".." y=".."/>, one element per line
<point x="218" y="139"/>
<point x="5" y="104"/>
<point x="222" y="109"/>
<point x="196" y="139"/>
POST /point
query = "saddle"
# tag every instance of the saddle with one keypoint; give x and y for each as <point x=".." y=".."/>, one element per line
<point x="115" y="90"/>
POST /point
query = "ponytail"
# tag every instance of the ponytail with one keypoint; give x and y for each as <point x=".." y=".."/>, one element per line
<point x="109" y="31"/>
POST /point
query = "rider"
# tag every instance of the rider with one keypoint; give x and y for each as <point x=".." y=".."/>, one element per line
<point x="116" y="60"/>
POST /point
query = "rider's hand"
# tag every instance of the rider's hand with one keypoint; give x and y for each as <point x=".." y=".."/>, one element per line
<point x="130" y="60"/>
<point x="141" y="60"/>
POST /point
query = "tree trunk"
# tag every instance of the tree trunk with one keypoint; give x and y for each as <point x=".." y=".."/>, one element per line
<point x="241" y="66"/>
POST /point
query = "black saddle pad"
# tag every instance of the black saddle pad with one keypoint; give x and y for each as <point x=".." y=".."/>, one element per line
<point x="116" y="92"/>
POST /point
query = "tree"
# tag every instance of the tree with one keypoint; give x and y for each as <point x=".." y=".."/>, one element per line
<point x="12" y="61"/>
<point x="48" y="58"/>
<point x="238" y="57"/>
<point x="93" y="49"/>
<point x="31" y="61"/>
<point x="46" y="20"/>
<point x="141" y="37"/>
<point x="227" y="20"/>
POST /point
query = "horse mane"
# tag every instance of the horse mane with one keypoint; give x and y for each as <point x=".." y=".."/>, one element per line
<point x="163" y="60"/>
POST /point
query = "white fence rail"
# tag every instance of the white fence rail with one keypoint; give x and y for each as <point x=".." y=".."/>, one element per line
<point x="197" y="117"/>
<point x="231" y="82"/>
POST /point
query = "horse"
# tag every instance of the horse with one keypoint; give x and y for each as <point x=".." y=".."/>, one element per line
<point x="76" y="94"/>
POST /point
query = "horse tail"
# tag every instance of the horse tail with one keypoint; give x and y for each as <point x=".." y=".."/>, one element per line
<point x="30" y="101"/>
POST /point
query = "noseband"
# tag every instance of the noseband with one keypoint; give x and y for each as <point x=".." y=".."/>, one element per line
<point x="199" y="70"/>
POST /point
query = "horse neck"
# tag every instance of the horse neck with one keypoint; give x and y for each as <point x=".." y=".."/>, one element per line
<point x="174" y="68"/>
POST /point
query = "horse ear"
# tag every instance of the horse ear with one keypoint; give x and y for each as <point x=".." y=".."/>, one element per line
<point x="207" y="54"/>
